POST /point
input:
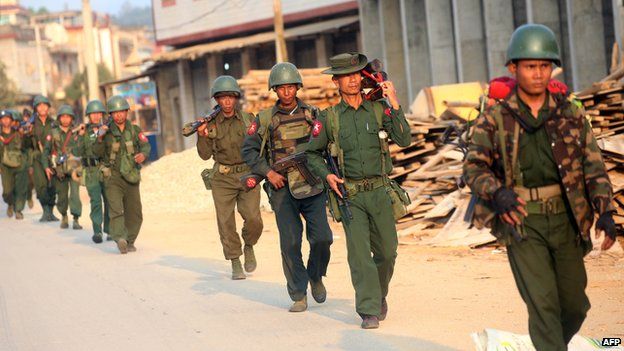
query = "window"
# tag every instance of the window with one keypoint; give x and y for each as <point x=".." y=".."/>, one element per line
<point x="166" y="3"/>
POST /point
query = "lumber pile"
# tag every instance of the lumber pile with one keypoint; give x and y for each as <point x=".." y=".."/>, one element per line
<point x="318" y="90"/>
<point x="603" y="102"/>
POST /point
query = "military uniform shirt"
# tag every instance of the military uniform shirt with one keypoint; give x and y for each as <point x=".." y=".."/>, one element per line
<point x="228" y="135"/>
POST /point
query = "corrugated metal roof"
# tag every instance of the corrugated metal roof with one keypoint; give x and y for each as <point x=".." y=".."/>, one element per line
<point x="193" y="52"/>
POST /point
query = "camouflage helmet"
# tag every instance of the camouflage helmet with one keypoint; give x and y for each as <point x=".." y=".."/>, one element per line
<point x="225" y="84"/>
<point x="65" y="110"/>
<point x="40" y="99"/>
<point x="95" y="106"/>
<point x="533" y="41"/>
<point x="284" y="73"/>
<point x="117" y="103"/>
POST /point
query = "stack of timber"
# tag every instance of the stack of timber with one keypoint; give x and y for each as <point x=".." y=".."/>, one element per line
<point x="318" y="90"/>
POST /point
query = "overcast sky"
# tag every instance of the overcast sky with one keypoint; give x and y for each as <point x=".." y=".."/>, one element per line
<point x="107" y="6"/>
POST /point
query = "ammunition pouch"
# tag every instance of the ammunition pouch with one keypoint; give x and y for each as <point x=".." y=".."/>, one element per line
<point x="207" y="175"/>
<point x="12" y="158"/>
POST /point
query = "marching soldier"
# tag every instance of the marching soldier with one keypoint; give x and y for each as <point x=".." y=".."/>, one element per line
<point x="13" y="165"/>
<point x="42" y="127"/>
<point x="360" y="145"/>
<point x="60" y="162"/>
<point x="26" y="114"/>
<point x="222" y="138"/>
<point x="91" y="164"/>
<point x="123" y="149"/>
<point x="539" y="176"/>
<point x="277" y="133"/>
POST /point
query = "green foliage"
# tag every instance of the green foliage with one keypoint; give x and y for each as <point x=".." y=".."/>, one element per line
<point x="133" y="16"/>
<point x="8" y="90"/>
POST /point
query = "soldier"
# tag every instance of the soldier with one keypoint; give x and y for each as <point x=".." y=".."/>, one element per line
<point x="123" y="149"/>
<point x="60" y="162"/>
<point x="91" y="163"/>
<point x="365" y="163"/>
<point x="13" y="165"/>
<point x="26" y="120"/>
<point x="539" y="191"/>
<point x="276" y="133"/>
<point x="222" y="138"/>
<point x="42" y="127"/>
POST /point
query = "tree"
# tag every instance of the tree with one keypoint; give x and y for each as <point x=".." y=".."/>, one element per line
<point x="78" y="86"/>
<point x="8" y="90"/>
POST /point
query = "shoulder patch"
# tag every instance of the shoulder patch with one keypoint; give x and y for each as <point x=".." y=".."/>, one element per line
<point x="142" y="137"/>
<point x="388" y="112"/>
<point x="49" y="137"/>
<point x="317" y="126"/>
<point x="253" y="128"/>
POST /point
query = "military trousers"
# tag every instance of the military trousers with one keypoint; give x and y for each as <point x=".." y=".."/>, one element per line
<point x="14" y="185"/>
<point x="371" y="230"/>
<point x="97" y="199"/>
<point x="68" y="192"/>
<point x="46" y="192"/>
<point x="124" y="207"/>
<point x="550" y="275"/>
<point x="288" y="212"/>
<point x="228" y="193"/>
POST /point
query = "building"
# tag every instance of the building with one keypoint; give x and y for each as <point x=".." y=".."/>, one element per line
<point x="431" y="42"/>
<point x="211" y="38"/>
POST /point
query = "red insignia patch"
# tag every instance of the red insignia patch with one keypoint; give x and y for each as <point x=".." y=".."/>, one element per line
<point x="316" y="129"/>
<point x="142" y="137"/>
<point x="252" y="128"/>
<point x="387" y="112"/>
<point x="251" y="183"/>
<point x="49" y="137"/>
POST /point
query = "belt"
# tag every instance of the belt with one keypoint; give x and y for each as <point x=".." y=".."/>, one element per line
<point x="90" y="162"/>
<point x="544" y="200"/>
<point x="229" y="169"/>
<point x="360" y="185"/>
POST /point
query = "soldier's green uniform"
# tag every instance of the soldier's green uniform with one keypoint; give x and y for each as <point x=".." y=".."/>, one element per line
<point x="223" y="141"/>
<point x="13" y="168"/>
<point x="59" y="154"/>
<point x="92" y="174"/>
<point x="285" y="133"/>
<point x="558" y="170"/>
<point x="365" y="166"/>
<point x="46" y="193"/>
<point x="28" y="153"/>
<point x="122" y="176"/>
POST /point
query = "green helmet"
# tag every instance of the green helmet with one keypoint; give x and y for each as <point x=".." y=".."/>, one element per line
<point x="40" y="99"/>
<point x="117" y="103"/>
<point x="65" y="110"/>
<point x="533" y="41"/>
<point x="225" y="84"/>
<point x="284" y="73"/>
<point x="17" y="116"/>
<point x="95" y="106"/>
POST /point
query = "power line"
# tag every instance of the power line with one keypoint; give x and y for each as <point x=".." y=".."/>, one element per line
<point x="203" y="15"/>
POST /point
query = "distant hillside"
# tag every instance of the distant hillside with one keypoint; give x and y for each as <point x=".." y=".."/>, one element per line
<point x="133" y="16"/>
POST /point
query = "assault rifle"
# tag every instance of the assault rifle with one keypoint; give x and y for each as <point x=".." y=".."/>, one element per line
<point x="297" y="161"/>
<point x="190" y="128"/>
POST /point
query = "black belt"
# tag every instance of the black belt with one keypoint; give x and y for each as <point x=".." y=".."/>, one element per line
<point x="90" y="162"/>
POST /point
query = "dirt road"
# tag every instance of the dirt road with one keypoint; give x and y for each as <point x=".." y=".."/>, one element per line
<point x="59" y="291"/>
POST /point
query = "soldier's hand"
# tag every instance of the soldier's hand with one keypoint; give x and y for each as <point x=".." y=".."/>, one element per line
<point x="507" y="203"/>
<point x="277" y="180"/>
<point x="202" y="129"/>
<point x="139" y="158"/>
<point x="333" y="181"/>
<point x="49" y="173"/>
<point x="82" y="130"/>
<point x="389" y="92"/>
<point x="606" y="224"/>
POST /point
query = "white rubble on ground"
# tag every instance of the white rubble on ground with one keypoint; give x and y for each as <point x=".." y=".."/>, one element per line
<point x="174" y="184"/>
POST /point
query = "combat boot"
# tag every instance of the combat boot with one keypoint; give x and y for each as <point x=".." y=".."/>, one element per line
<point x="97" y="238"/>
<point x="51" y="216"/>
<point x="384" y="309"/>
<point x="109" y="237"/>
<point x="19" y="215"/>
<point x="237" y="270"/>
<point x="250" y="259"/>
<point x="370" y="322"/>
<point x="45" y="217"/>
<point x="10" y="211"/>
<point x="319" y="293"/>
<point x="122" y="245"/>
<point x="299" y="306"/>
<point x="131" y="247"/>
<point x="64" y="222"/>
<point x="76" y="225"/>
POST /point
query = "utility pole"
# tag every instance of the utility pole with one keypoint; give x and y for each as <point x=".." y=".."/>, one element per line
<point x="43" y="83"/>
<point x="281" y="53"/>
<point x="89" y="53"/>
